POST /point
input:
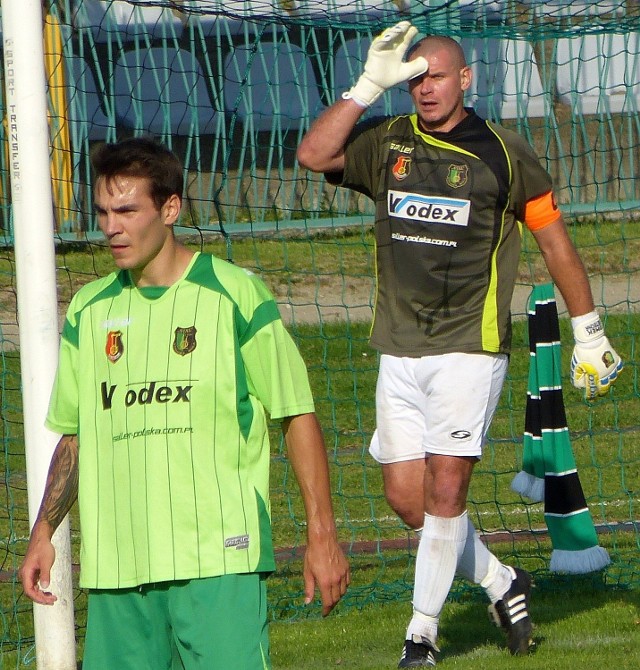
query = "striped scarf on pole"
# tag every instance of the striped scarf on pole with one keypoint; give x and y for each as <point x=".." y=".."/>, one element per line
<point x="549" y="469"/>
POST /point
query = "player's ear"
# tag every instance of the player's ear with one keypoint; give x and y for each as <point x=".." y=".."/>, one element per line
<point x="465" y="77"/>
<point x="171" y="209"/>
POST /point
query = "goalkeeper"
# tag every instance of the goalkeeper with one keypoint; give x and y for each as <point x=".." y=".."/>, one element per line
<point x="450" y="190"/>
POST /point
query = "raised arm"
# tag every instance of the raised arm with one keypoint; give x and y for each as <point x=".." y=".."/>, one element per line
<point x="322" y="148"/>
<point x="325" y="565"/>
<point x="595" y="364"/>
<point x="61" y="491"/>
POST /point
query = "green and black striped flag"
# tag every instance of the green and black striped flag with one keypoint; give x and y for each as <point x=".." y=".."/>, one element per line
<point x="549" y="470"/>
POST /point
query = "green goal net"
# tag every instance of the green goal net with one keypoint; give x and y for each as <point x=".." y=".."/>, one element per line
<point x="232" y="87"/>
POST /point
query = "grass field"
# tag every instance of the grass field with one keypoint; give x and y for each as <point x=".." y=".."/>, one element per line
<point x="574" y="629"/>
<point x="578" y="619"/>
<point x="595" y="620"/>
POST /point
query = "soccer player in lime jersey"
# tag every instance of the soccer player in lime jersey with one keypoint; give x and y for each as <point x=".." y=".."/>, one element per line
<point x="451" y="191"/>
<point x="168" y="371"/>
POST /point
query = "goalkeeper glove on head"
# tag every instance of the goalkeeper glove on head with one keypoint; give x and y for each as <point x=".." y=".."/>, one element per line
<point x="384" y="67"/>
<point x="594" y="364"/>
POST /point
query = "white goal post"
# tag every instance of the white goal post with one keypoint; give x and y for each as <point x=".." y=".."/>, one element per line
<point x="33" y="226"/>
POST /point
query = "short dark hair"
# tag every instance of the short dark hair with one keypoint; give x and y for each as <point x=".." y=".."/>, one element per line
<point x="141" y="157"/>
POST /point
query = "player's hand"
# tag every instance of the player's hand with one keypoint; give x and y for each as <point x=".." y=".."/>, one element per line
<point x="385" y="66"/>
<point x="35" y="571"/>
<point x="595" y="364"/>
<point x="325" y="569"/>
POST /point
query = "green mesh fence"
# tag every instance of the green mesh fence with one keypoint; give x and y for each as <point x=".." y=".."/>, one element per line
<point x="232" y="87"/>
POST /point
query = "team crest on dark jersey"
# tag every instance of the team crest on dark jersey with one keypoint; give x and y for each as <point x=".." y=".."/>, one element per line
<point x="114" y="347"/>
<point x="402" y="168"/>
<point x="184" y="341"/>
<point x="458" y="175"/>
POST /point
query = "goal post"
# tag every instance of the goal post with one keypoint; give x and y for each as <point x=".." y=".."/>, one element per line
<point x="33" y="225"/>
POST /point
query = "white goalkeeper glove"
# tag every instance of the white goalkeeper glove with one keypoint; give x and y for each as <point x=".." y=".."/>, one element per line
<point x="384" y="67"/>
<point x="595" y="364"/>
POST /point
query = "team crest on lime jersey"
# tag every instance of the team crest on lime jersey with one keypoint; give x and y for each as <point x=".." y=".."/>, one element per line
<point x="184" y="341"/>
<point x="114" y="347"/>
<point x="458" y="175"/>
<point x="402" y="168"/>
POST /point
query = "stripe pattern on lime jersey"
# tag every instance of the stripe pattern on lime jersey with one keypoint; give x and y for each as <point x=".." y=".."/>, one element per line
<point x="170" y="398"/>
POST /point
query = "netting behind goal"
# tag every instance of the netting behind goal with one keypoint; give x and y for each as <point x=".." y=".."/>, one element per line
<point x="232" y="87"/>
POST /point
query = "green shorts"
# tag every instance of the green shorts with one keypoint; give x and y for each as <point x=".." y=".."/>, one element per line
<point x="200" y="624"/>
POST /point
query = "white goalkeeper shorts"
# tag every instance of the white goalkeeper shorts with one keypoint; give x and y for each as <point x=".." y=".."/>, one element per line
<point x="435" y="405"/>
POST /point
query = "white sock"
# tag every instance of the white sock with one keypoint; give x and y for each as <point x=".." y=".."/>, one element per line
<point x="441" y="544"/>
<point x="479" y="565"/>
<point x="498" y="581"/>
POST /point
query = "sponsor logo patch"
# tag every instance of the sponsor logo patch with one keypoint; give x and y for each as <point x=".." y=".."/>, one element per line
<point x="114" y="324"/>
<point x="460" y="435"/>
<point x="428" y="209"/>
<point x="148" y="393"/>
<point x="594" y="328"/>
<point x="608" y="359"/>
<point x="394" y="146"/>
<point x="423" y="239"/>
<point x="238" y="542"/>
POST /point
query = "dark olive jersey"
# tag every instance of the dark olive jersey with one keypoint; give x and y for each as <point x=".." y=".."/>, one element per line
<point x="448" y="213"/>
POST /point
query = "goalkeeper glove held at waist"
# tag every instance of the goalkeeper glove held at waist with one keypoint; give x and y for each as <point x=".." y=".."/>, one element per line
<point x="595" y="364"/>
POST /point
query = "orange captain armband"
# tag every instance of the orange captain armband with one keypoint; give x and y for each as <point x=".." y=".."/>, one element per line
<point x="541" y="212"/>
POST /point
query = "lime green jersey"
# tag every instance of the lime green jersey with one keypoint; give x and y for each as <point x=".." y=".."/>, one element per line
<point x="169" y="398"/>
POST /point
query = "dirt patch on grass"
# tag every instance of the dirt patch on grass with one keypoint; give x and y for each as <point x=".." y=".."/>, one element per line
<point x="336" y="299"/>
<point x="333" y="298"/>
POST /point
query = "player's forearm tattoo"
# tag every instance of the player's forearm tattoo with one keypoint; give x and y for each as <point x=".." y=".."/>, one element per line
<point x="61" y="489"/>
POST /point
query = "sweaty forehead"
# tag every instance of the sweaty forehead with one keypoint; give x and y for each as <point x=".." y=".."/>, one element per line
<point x="122" y="186"/>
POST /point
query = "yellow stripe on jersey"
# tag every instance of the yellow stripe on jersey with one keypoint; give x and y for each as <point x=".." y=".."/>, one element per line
<point x="490" y="327"/>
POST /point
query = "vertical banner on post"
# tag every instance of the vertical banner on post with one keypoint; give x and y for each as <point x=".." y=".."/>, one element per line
<point x="33" y="228"/>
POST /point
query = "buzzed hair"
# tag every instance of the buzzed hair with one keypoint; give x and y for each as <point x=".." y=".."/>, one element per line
<point x="141" y="157"/>
<point x="433" y="42"/>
